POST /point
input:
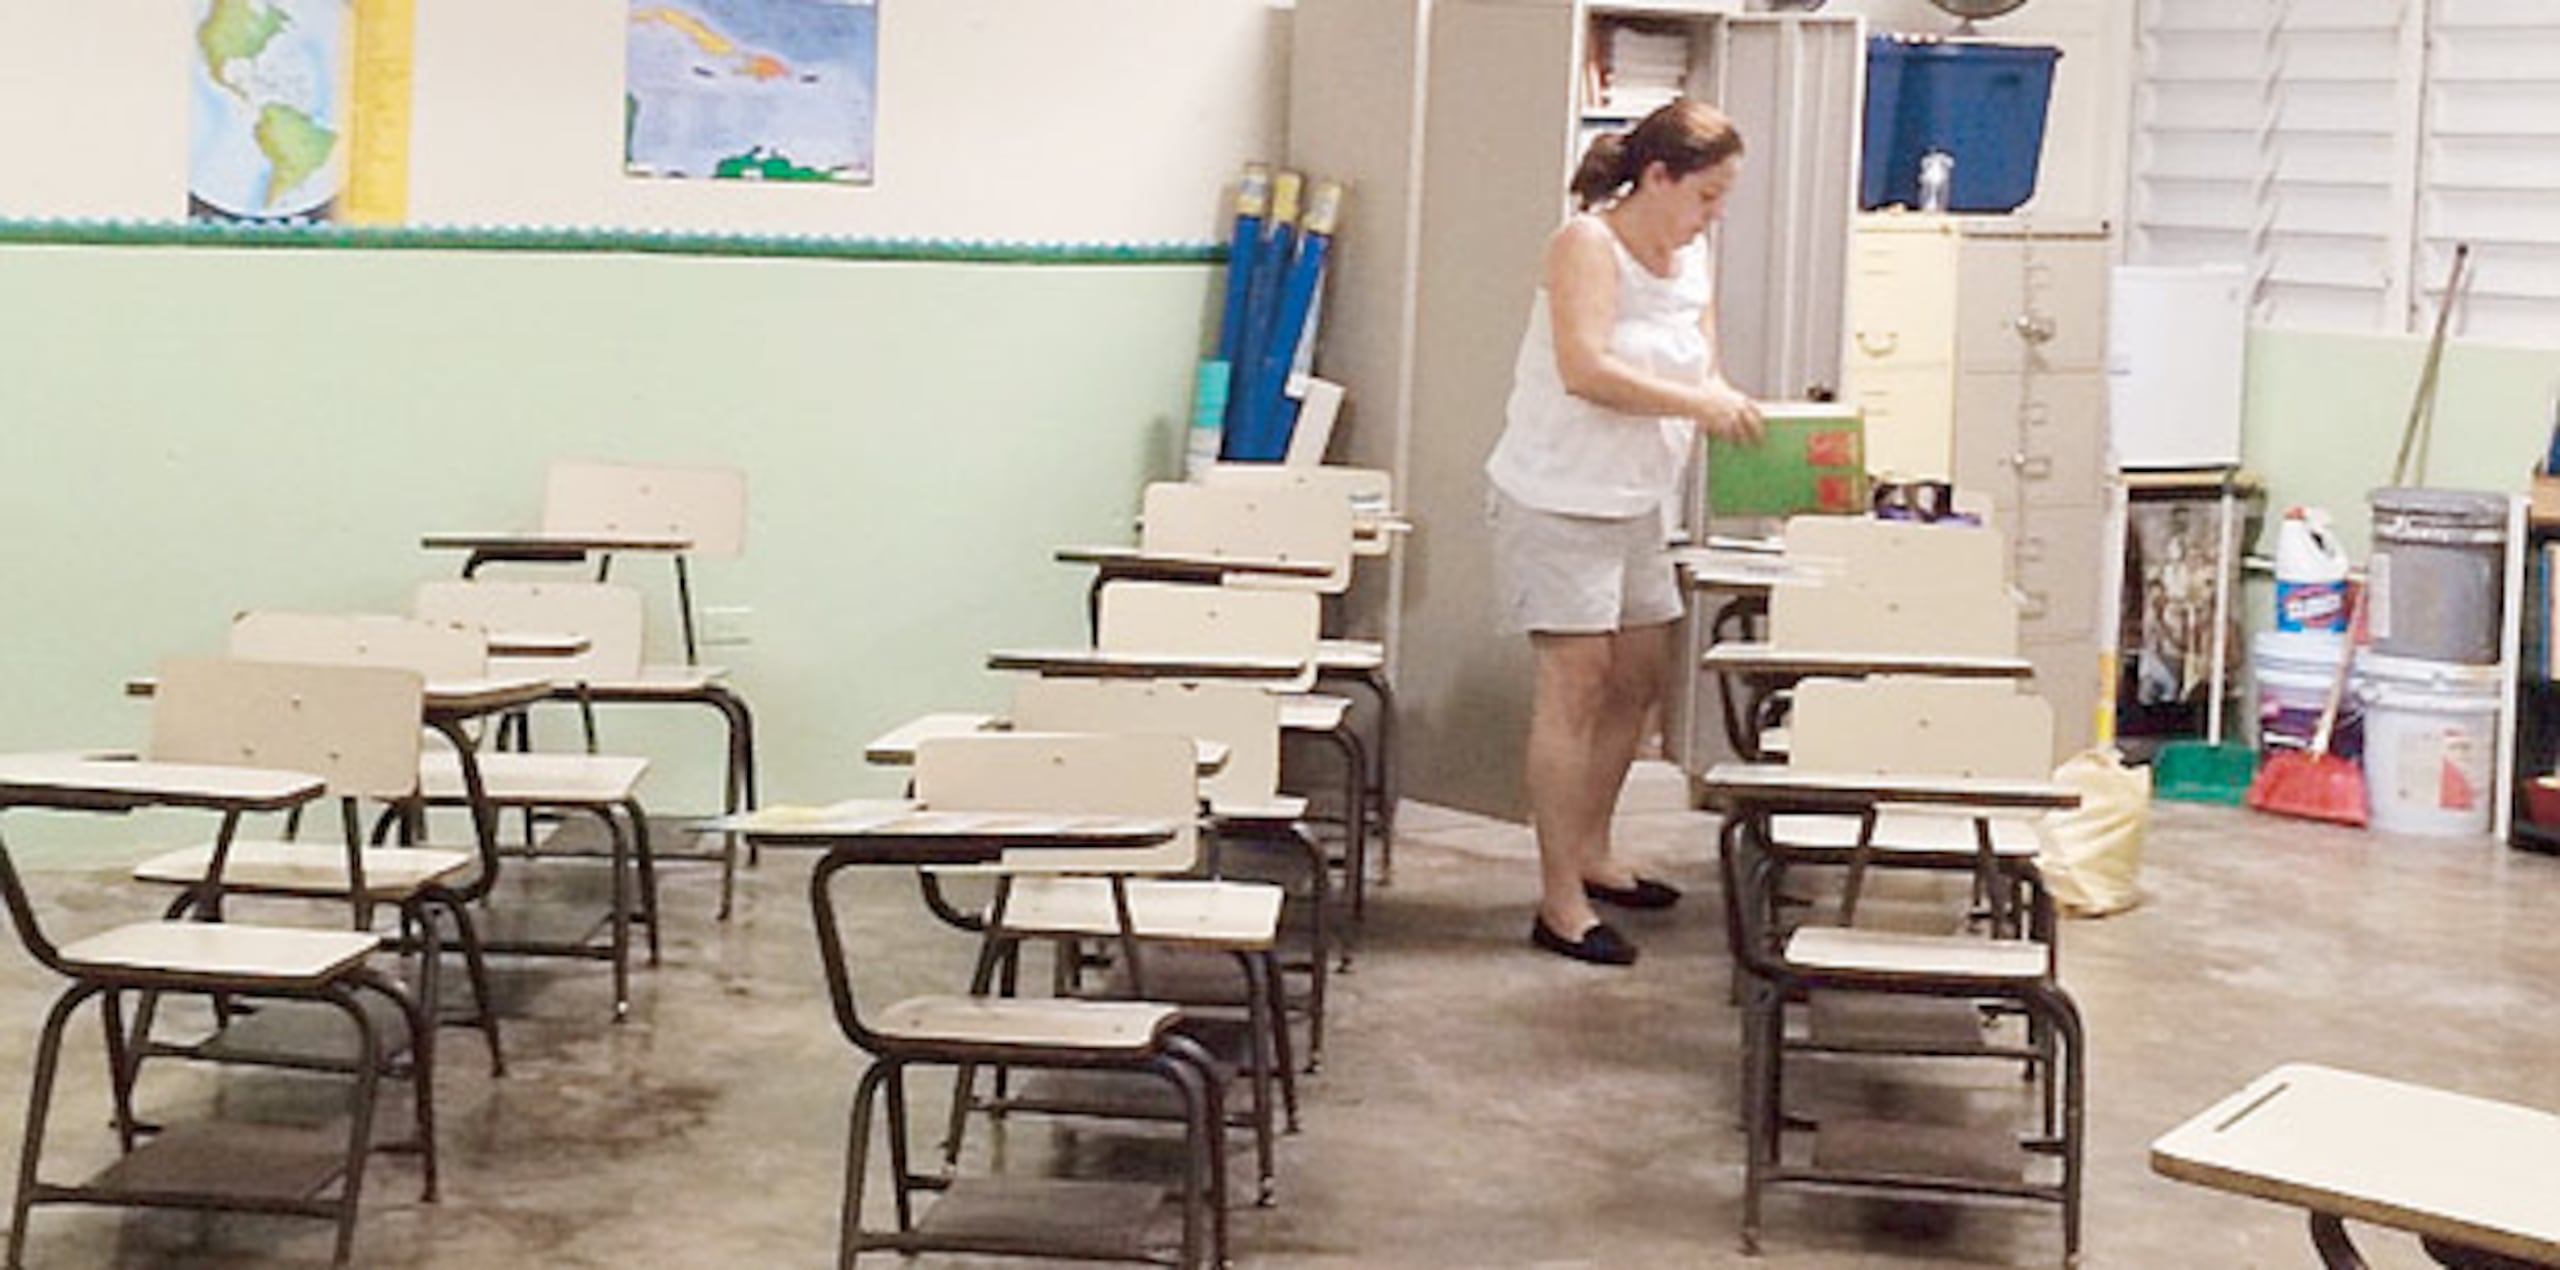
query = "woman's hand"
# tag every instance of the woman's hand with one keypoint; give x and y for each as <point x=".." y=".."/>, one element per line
<point x="1724" y="413"/>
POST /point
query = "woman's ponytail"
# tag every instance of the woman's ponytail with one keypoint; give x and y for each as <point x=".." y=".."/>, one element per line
<point x="1602" y="172"/>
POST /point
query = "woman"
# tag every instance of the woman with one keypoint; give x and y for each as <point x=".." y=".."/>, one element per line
<point x="1616" y="376"/>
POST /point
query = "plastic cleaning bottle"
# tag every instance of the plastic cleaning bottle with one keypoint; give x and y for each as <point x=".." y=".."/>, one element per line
<point x="2311" y="573"/>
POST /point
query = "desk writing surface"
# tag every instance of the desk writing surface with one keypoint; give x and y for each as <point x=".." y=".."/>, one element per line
<point x="89" y="781"/>
<point x="1756" y="784"/>
<point x="958" y="835"/>
<point x="1102" y="663"/>
<point x="1768" y="659"/>
<point x="1137" y="560"/>
<point x="2466" y="1170"/>
<point x="457" y="698"/>
<point x="1723" y="569"/>
<point x="546" y="541"/>
<point x="537" y="644"/>
<point x="463" y="698"/>
<point x="897" y="746"/>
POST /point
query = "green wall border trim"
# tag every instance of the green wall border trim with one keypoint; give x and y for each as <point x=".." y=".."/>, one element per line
<point x="94" y="233"/>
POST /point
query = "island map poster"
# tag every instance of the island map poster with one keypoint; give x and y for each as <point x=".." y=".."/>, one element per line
<point x="774" y="90"/>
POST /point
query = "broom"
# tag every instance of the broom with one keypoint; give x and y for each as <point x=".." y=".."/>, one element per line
<point x="2315" y="784"/>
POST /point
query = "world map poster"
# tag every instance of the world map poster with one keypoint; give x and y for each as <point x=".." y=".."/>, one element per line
<point x="770" y="90"/>
<point x="298" y="110"/>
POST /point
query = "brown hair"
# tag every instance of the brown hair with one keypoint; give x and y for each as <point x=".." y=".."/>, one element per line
<point x="1684" y="136"/>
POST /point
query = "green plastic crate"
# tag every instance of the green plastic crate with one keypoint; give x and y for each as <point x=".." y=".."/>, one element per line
<point x="1812" y="461"/>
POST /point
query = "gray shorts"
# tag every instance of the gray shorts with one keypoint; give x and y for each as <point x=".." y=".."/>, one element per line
<point x="1579" y="575"/>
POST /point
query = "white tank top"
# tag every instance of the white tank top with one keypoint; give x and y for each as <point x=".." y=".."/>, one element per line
<point x="1561" y="453"/>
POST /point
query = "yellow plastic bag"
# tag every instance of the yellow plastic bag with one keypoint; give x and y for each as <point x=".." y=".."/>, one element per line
<point x="2092" y="854"/>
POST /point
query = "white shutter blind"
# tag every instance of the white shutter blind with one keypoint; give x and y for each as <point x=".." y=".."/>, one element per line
<point x="2490" y="172"/>
<point x="2281" y="135"/>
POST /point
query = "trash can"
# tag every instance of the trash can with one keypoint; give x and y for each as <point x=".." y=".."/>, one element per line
<point x="2436" y="581"/>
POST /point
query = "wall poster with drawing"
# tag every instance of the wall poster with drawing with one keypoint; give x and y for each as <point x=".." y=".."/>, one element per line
<point x="772" y="90"/>
<point x="2173" y="558"/>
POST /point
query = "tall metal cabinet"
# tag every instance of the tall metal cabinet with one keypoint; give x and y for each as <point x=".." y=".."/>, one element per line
<point x="1458" y="123"/>
<point x="1978" y="353"/>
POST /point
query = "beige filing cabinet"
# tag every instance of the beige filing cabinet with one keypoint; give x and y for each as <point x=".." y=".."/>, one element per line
<point x="1977" y="351"/>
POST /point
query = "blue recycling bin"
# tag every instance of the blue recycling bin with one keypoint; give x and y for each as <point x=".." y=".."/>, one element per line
<point x="1982" y="104"/>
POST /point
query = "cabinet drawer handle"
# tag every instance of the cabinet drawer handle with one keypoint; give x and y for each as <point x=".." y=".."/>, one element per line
<point x="1874" y="345"/>
<point x="2034" y="467"/>
<point x="2030" y="550"/>
<point x="2034" y="604"/>
<point x="2034" y="328"/>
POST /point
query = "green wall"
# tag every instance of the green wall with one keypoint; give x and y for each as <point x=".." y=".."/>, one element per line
<point x="2324" y="415"/>
<point x="195" y="431"/>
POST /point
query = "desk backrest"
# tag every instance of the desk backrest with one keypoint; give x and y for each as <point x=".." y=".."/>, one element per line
<point x="705" y="504"/>
<point x="437" y="650"/>
<point x="357" y="727"/>
<point x="1242" y="717"/>
<point x="607" y="614"/>
<point x="1275" y="522"/>
<point x="1914" y="726"/>
<point x="1902" y="557"/>
<point x="1832" y="616"/>
<point x="1164" y="617"/>
<point x="1370" y="492"/>
<point x="1153" y="775"/>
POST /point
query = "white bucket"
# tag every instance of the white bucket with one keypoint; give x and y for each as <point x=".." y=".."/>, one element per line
<point x="2430" y="741"/>
<point x="2293" y="671"/>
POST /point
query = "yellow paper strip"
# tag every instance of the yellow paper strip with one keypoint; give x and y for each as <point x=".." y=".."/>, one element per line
<point x="378" y="162"/>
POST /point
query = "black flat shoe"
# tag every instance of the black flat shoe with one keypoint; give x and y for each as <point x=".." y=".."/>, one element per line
<point x="1646" y="893"/>
<point x="1601" y="945"/>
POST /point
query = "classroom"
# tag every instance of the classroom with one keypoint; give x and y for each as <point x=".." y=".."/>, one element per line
<point x="1363" y="633"/>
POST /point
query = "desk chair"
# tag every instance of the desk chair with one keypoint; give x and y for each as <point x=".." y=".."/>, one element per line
<point x="705" y="505"/>
<point x="1249" y="509"/>
<point x="1867" y="592"/>
<point x="613" y="670"/>
<point x="1059" y="775"/>
<point x="244" y="1168"/>
<point x="1203" y="942"/>
<point x="1867" y="728"/>
<point x="358" y="728"/>
<point x="1141" y="617"/>
<point x="603" y="786"/>
<point x="1245" y="807"/>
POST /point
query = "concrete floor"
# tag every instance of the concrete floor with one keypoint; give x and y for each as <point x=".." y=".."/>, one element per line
<point x="1484" y="1105"/>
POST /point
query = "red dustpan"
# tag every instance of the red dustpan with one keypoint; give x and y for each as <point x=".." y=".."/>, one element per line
<point x="2316" y="784"/>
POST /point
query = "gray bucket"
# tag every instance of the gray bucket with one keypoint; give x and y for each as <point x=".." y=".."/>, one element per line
<point x="2436" y="578"/>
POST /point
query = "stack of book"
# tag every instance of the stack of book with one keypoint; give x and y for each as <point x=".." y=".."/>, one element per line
<point x="1642" y="68"/>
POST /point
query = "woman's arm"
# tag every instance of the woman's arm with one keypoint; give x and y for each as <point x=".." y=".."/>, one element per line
<point x="1756" y="427"/>
<point x="1582" y="296"/>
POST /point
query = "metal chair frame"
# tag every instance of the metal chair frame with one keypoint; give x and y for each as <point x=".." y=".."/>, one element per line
<point x="1176" y="1060"/>
<point x="108" y="983"/>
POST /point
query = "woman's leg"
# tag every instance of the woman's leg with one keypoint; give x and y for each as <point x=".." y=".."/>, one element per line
<point x="1567" y="809"/>
<point x="1638" y="659"/>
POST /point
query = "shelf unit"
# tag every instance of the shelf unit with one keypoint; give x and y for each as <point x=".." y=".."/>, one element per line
<point x="2530" y="735"/>
<point x="1458" y="123"/>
